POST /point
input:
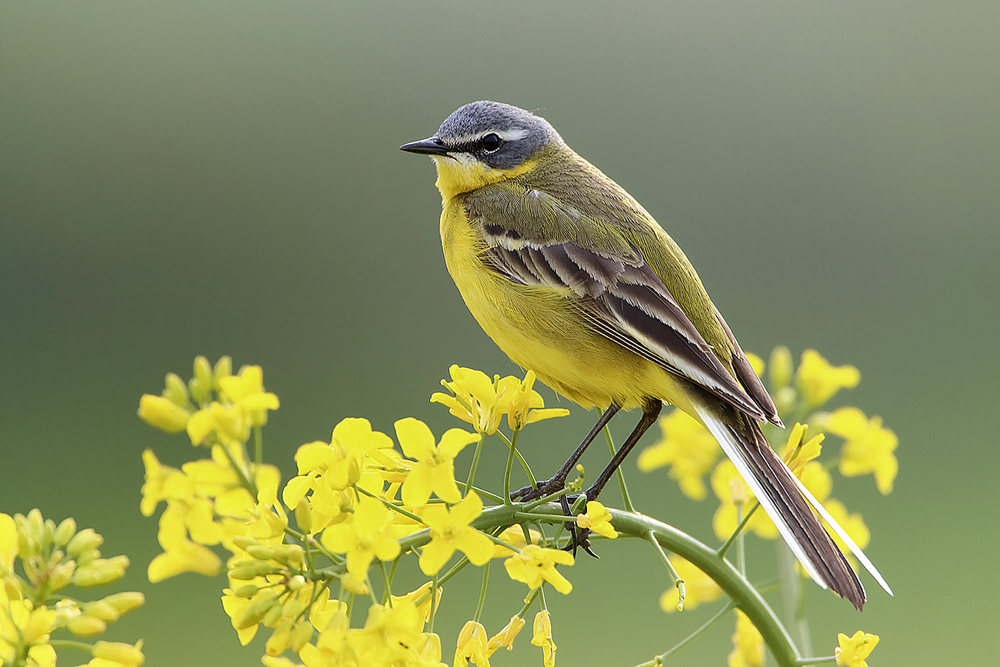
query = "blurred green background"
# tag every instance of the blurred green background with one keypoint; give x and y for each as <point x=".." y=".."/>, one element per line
<point x="222" y="178"/>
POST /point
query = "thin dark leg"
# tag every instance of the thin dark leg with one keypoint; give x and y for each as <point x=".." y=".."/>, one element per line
<point x="650" y="411"/>
<point x="558" y="480"/>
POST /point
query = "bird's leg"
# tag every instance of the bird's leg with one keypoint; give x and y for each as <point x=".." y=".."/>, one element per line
<point x="558" y="481"/>
<point x="650" y="411"/>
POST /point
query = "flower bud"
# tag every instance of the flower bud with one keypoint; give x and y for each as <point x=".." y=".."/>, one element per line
<point x="303" y="516"/>
<point x="279" y="641"/>
<point x="261" y="551"/>
<point x="273" y="615"/>
<point x="124" y="654"/>
<point x="300" y="636"/>
<point x="162" y="413"/>
<point x="244" y="541"/>
<point x="202" y="382"/>
<point x="223" y="369"/>
<point x="253" y="613"/>
<point x="102" y="610"/>
<point x="125" y="601"/>
<point x="65" y="532"/>
<point x="243" y="573"/>
<point x="175" y="390"/>
<point x="85" y="540"/>
<point x="47" y="532"/>
<point x="247" y="591"/>
<point x="86" y="626"/>
<point x="289" y="554"/>
<point x="781" y="367"/>
<point x="101" y="571"/>
<point x="297" y="583"/>
<point x="353" y="585"/>
<point x="62" y="575"/>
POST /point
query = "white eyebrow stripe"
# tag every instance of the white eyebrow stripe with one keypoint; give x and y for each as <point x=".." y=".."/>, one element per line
<point x="506" y="135"/>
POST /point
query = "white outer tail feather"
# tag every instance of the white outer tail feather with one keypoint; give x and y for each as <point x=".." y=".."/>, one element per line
<point x="724" y="437"/>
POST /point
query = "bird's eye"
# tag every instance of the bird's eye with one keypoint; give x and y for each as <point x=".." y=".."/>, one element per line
<point x="491" y="143"/>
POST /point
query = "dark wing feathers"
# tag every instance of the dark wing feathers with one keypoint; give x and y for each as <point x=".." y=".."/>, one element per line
<point x="624" y="299"/>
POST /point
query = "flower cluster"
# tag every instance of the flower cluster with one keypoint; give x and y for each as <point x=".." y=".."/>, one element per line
<point x="40" y="565"/>
<point x="305" y="558"/>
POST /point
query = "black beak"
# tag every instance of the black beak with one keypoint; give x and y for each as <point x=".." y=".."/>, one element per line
<point x="432" y="146"/>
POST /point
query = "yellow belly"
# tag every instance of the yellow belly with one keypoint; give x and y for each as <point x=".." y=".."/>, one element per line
<point x="540" y="330"/>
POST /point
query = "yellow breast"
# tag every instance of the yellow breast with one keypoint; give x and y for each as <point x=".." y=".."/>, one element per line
<point x="539" y="328"/>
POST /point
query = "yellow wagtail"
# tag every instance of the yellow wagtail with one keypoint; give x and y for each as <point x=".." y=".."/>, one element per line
<point x="574" y="280"/>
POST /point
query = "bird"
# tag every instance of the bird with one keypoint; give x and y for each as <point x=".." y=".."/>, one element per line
<point x="574" y="280"/>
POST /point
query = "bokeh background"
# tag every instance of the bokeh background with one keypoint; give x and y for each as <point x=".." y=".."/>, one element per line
<point x="222" y="178"/>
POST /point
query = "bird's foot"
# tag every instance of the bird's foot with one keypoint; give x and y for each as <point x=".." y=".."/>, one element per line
<point x="529" y="493"/>
<point x="579" y="537"/>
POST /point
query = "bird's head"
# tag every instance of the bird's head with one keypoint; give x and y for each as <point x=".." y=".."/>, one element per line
<point x="482" y="143"/>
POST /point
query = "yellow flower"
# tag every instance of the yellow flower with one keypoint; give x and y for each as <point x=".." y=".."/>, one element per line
<point x="542" y="636"/>
<point x="688" y="448"/>
<point x="483" y="403"/>
<point x="428" y="651"/>
<point x="472" y="645"/>
<point x="505" y="638"/>
<point x="797" y="451"/>
<point x="535" y="564"/>
<point x="424" y="608"/>
<point x="819" y="381"/>
<point x="450" y="530"/>
<point x="514" y="536"/>
<point x="389" y="635"/>
<point x="698" y="587"/>
<point x="434" y="470"/>
<point x="867" y="446"/>
<point x="853" y="650"/>
<point x="25" y="628"/>
<point x="8" y="543"/>
<point x="748" y="644"/>
<point x="163" y="413"/>
<point x="247" y="391"/>
<point x="597" y="519"/>
<point x="332" y="647"/>
<point x="363" y="538"/>
<point x="525" y="404"/>
<point x="473" y="399"/>
<point x="179" y="553"/>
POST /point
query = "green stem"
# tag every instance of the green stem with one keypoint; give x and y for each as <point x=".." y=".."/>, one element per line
<point x="475" y="464"/>
<point x="721" y="551"/>
<point x="626" y="500"/>
<point x="804" y="662"/>
<point x="258" y="445"/>
<point x="510" y="464"/>
<point x="524" y="464"/>
<point x="735" y="585"/>
<point x="729" y="579"/>
<point x="245" y="480"/>
<point x="678" y="582"/>
<point x="390" y="505"/>
<point x="482" y="592"/>
<point x="658" y="660"/>
<point x="434" y="587"/>
<point x="794" y="597"/>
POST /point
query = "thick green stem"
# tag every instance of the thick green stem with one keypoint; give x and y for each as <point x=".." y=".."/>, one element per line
<point x="735" y="585"/>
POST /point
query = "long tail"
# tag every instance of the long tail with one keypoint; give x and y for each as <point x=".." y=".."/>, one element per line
<point x="787" y="502"/>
